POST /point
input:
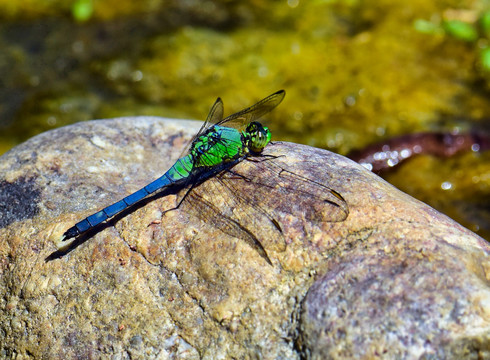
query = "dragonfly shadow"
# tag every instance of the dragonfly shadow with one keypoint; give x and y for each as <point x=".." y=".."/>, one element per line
<point x="79" y="240"/>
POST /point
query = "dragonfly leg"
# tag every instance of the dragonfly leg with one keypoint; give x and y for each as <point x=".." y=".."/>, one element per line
<point x="180" y="201"/>
<point x="264" y="157"/>
<point x="238" y="176"/>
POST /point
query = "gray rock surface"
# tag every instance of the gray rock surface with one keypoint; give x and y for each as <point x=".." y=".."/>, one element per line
<point x="394" y="280"/>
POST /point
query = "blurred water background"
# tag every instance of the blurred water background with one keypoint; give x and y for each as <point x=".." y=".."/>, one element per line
<point x="355" y="72"/>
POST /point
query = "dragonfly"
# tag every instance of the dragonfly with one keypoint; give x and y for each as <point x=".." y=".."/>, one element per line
<point x="219" y="145"/>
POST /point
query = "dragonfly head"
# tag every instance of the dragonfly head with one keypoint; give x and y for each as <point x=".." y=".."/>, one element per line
<point x="257" y="136"/>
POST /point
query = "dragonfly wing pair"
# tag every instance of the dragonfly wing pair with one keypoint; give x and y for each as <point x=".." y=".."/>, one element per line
<point x="247" y="206"/>
<point x="237" y="120"/>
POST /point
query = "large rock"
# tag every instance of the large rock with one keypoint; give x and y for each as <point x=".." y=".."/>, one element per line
<point x="395" y="279"/>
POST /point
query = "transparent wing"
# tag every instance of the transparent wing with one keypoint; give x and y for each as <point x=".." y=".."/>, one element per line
<point x="253" y="216"/>
<point x="245" y="116"/>
<point x="242" y="206"/>
<point x="215" y="115"/>
<point x="216" y="207"/>
<point x="239" y="119"/>
<point x="279" y="190"/>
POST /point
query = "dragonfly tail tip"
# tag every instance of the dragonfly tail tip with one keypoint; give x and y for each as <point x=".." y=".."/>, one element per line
<point x="70" y="233"/>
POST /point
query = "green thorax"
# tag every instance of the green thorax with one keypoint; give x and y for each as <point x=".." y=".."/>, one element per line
<point x="221" y="144"/>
